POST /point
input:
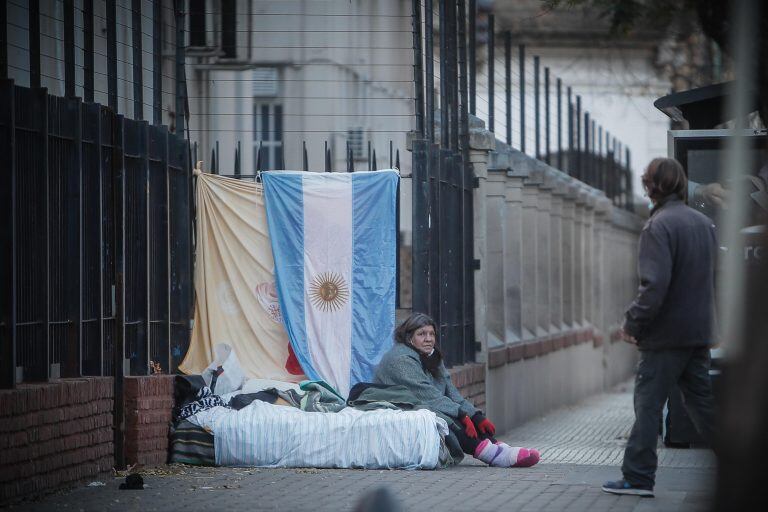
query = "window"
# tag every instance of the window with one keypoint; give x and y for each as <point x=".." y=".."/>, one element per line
<point x="268" y="131"/>
<point x="355" y="139"/>
<point x="229" y="28"/>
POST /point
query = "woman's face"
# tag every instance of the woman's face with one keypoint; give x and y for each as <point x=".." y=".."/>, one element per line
<point x="424" y="339"/>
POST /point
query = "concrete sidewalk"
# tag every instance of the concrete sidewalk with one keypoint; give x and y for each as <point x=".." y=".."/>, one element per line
<point x="581" y="447"/>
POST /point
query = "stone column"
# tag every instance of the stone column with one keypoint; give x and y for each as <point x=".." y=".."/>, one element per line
<point x="544" y="248"/>
<point x="513" y="255"/>
<point x="494" y="258"/>
<point x="530" y="282"/>
<point x="481" y="142"/>
<point x="578" y="259"/>
<point x="568" y="255"/>
<point x="559" y="190"/>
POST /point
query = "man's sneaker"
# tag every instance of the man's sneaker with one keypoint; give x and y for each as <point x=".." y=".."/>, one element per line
<point x="624" y="487"/>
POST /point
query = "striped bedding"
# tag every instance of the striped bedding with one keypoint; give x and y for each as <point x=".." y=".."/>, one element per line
<point x="267" y="435"/>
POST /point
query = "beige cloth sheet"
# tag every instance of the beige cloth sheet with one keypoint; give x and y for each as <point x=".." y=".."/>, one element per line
<point x="236" y="299"/>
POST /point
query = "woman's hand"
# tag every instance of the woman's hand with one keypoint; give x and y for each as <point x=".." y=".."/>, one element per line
<point x="469" y="427"/>
<point x="483" y="424"/>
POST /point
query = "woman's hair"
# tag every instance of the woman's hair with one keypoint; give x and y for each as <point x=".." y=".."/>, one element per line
<point x="664" y="177"/>
<point x="404" y="333"/>
<point x="410" y="325"/>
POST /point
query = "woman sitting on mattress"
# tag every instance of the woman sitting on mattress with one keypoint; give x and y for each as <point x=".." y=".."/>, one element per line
<point x="415" y="361"/>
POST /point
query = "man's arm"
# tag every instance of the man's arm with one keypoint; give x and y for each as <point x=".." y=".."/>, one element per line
<point x="655" y="271"/>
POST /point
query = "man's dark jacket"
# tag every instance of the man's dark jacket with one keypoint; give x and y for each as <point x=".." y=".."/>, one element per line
<point x="675" y="303"/>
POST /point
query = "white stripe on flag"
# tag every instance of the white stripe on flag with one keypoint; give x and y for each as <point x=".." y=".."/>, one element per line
<point x="328" y="275"/>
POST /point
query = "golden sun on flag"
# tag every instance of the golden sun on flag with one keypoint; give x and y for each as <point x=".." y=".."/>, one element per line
<point x="328" y="291"/>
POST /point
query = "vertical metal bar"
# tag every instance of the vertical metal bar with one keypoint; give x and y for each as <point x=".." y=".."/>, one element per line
<point x="587" y="178"/>
<point x="559" y="124"/>
<point x="3" y="44"/>
<point x="418" y="75"/>
<point x="118" y="188"/>
<point x="453" y="74"/>
<point x="72" y="362"/>
<point x="304" y="157"/>
<point x="34" y="43"/>
<point x="579" y="173"/>
<point x="592" y="156"/>
<point x="429" y="60"/>
<point x="630" y="195"/>
<point x="69" y="48"/>
<point x="138" y="81"/>
<point x="521" y="64"/>
<point x="390" y="154"/>
<point x="464" y="128"/>
<point x="42" y="115"/>
<point x="508" y="83"/>
<point x="112" y="55"/>
<point x="472" y="56"/>
<point x="8" y="245"/>
<point x="88" y="51"/>
<point x="491" y="73"/>
<point x="157" y="62"/>
<point x="374" y="166"/>
<point x="547" y="123"/>
<point x="536" y="107"/>
<point x="369" y="155"/>
<point x="181" y="86"/>
<point x="327" y="163"/>
<point x="570" y="133"/>
<point x="600" y="159"/>
<point x="444" y="84"/>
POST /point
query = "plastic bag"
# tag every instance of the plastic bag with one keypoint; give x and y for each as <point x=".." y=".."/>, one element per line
<point x="224" y="374"/>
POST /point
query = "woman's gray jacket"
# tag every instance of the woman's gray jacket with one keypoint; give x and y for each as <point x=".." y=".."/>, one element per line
<point x="401" y="365"/>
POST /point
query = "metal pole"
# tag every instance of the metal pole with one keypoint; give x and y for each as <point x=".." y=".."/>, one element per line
<point x="559" y="124"/>
<point x="491" y="73"/>
<point x="181" y="85"/>
<point x="429" y="60"/>
<point x="157" y="63"/>
<point x="138" y="82"/>
<point x="4" y="46"/>
<point x="587" y="178"/>
<point x="521" y="64"/>
<point x="444" y="85"/>
<point x="34" y="43"/>
<point x="112" y="56"/>
<point x="600" y="159"/>
<point x="536" y="106"/>
<point x="472" y="55"/>
<point x="453" y="74"/>
<point x="508" y="82"/>
<point x="88" y="51"/>
<point x="546" y="116"/>
<point x="578" y="138"/>
<point x="418" y="75"/>
<point x="464" y="123"/>
<point x="69" y="48"/>
<point x="570" y="132"/>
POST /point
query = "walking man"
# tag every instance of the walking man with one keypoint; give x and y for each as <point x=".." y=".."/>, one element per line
<point x="670" y="321"/>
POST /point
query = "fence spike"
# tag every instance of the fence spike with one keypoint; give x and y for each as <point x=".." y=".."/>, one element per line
<point x="237" y="159"/>
<point x="327" y="158"/>
<point x="213" y="161"/>
<point x="305" y="159"/>
<point x="258" y="158"/>
<point x="349" y="158"/>
<point x="397" y="159"/>
<point x="369" y="155"/>
<point x="390" y="153"/>
<point x="375" y="167"/>
<point x="218" y="167"/>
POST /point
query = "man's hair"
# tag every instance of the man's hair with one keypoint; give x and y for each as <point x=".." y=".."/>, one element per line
<point x="414" y="322"/>
<point x="664" y="177"/>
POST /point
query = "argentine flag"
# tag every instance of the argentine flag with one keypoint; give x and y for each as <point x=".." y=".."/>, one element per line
<point x="333" y="241"/>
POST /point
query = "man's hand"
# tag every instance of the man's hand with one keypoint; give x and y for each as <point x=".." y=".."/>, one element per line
<point x="627" y="337"/>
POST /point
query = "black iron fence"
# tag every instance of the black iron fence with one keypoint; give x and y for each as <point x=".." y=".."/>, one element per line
<point x="96" y="253"/>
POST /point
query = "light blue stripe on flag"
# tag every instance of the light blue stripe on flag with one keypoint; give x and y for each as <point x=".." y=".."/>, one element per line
<point x="374" y="247"/>
<point x="284" y="201"/>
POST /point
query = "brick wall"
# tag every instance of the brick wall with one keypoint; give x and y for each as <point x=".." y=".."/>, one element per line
<point x="469" y="379"/>
<point x="54" y="434"/>
<point x="148" y="411"/>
